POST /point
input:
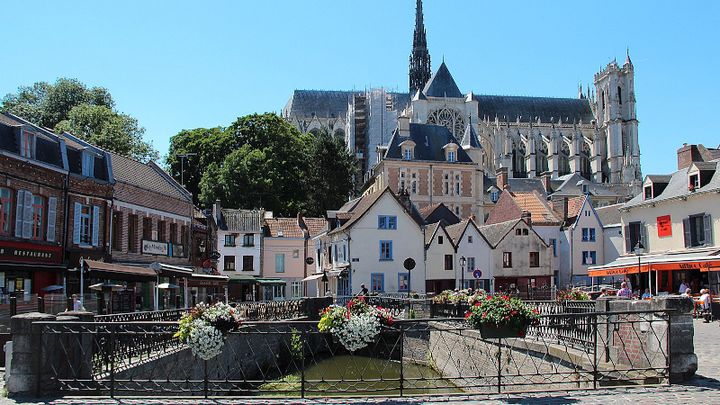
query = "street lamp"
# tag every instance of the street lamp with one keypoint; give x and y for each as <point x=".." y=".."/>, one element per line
<point x="462" y="271"/>
<point x="182" y="157"/>
<point x="639" y="250"/>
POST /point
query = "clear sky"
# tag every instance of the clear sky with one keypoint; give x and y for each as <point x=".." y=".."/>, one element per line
<point x="186" y="64"/>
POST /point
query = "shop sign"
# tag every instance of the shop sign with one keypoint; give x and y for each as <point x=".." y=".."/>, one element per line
<point x="152" y="247"/>
<point x="664" y="226"/>
<point x="29" y="253"/>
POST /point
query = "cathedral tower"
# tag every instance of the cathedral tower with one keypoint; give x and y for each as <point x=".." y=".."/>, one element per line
<point x="614" y="107"/>
<point x="420" y="57"/>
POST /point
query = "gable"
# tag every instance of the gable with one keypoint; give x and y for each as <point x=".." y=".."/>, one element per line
<point x="505" y="209"/>
<point x="386" y="204"/>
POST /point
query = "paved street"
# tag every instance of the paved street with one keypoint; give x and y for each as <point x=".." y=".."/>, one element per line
<point x="704" y="388"/>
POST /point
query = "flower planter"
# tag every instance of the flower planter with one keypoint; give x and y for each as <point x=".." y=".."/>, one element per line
<point x="491" y="331"/>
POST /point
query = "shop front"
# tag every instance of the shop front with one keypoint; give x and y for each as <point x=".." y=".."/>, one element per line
<point x="536" y="287"/>
<point x="172" y="285"/>
<point x="208" y="288"/>
<point x="26" y="268"/>
<point x="272" y="289"/>
<point x="242" y="287"/>
<point x="120" y="288"/>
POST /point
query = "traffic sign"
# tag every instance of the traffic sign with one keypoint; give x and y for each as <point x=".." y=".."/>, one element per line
<point x="409" y="263"/>
<point x="309" y="261"/>
<point x="477" y="273"/>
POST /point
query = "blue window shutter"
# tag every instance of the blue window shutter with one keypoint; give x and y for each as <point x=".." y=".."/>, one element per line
<point x="96" y="226"/>
<point x="76" y="223"/>
<point x="20" y="204"/>
<point x="707" y="224"/>
<point x="27" y="216"/>
<point x="52" y="212"/>
<point x="686" y="231"/>
<point x="390" y="248"/>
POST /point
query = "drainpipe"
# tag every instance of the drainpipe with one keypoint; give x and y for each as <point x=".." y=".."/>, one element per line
<point x="431" y="184"/>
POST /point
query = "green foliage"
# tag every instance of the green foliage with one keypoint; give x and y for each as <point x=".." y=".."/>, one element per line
<point x="296" y="345"/>
<point x="86" y="112"/>
<point x="572" y="295"/>
<point x="261" y="161"/>
<point x="501" y="310"/>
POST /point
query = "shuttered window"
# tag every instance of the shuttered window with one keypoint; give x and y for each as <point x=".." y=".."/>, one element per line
<point x="5" y="210"/>
<point x="38" y="217"/>
<point x="697" y="230"/>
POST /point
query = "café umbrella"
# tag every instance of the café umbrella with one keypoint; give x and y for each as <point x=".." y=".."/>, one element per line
<point x="53" y="288"/>
<point x="107" y="287"/>
<point x="167" y="286"/>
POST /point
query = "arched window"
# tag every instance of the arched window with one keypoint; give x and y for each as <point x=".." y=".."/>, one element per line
<point x="585" y="168"/>
<point x="619" y="95"/>
<point x="564" y="159"/>
<point x="519" y="169"/>
<point x="541" y="161"/>
<point x="449" y="118"/>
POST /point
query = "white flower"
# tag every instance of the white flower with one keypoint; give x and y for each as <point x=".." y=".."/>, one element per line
<point x="358" y="331"/>
<point x="205" y="340"/>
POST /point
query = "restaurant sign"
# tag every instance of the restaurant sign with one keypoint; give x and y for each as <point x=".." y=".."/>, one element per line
<point x="664" y="226"/>
<point x="151" y="247"/>
<point x="29" y="253"/>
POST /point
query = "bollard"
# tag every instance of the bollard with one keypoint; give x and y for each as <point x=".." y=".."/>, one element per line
<point x="41" y="305"/>
<point x="13" y="305"/>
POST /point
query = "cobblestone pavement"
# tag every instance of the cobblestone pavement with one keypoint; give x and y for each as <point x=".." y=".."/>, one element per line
<point x="703" y="389"/>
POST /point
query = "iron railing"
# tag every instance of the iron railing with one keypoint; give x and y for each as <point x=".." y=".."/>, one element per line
<point x="271" y="310"/>
<point x="162" y="315"/>
<point x="412" y="357"/>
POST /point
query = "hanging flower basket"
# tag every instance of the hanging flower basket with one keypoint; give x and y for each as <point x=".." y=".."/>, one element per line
<point x="501" y="316"/>
<point x="205" y="327"/>
<point x="355" y="325"/>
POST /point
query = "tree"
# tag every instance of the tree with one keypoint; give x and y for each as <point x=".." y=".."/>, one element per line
<point x="331" y="173"/>
<point x="210" y="146"/>
<point x="87" y="112"/>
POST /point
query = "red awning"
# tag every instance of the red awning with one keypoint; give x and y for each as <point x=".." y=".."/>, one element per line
<point x="668" y="262"/>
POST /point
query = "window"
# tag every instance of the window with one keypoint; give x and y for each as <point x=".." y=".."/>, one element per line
<point x="470" y="264"/>
<point x="296" y="290"/>
<point x="648" y="192"/>
<point x="377" y="282"/>
<point x="386" y="250"/>
<point x="387" y="222"/>
<point x="407" y="154"/>
<point x="247" y="263"/>
<point x="403" y="282"/>
<point x="296" y="253"/>
<point x="507" y="260"/>
<point x="440" y="240"/>
<point x="5" y="210"/>
<point x="457" y="210"/>
<point x="88" y="164"/>
<point x="494" y="196"/>
<point x="518" y="232"/>
<point x="470" y="239"/>
<point x="173" y="233"/>
<point x="117" y="230"/>
<point x="184" y="235"/>
<point x="38" y="211"/>
<point x="694" y="182"/>
<point x="161" y="231"/>
<point x="147" y="228"/>
<point x="589" y="257"/>
<point x="448" y="262"/>
<point x="85" y="229"/>
<point x="230" y="240"/>
<point x="27" y="146"/>
<point x="588" y="234"/>
<point x="525" y="232"/>
<point x="401" y="184"/>
<point x="248" y="240"/>
<point x="446" y="184"/>
<point x="229" y="263"/>
<point x="451" y="156"/>
<point x="279" y="262"/>
<point x="697" y="230"/>
<point x="634" y="233"/>
<point x="457" y="184"/>
<point x="553" y="243"/>
<point x="619" y="95"/>
<point x="534" y="259"/>
<point x="132" y="233"/>
<point x="413" y="183"/>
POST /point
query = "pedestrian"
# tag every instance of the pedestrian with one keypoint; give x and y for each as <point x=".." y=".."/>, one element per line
<point x="77" y="304"/>
<point x="706" y="305"/>
<point x="363" y="291"/>
<point x="603" y="293"/>
<point x="686" y="293"/>
<point x="646" y="295"/>
<point x="683" y="287"/>
<point x="624" y="291"/>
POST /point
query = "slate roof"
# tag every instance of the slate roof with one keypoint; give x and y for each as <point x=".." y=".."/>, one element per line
<point x="430" y="232"/>
<point x="678" y="186"/>
<point x="496" y="232"/>
<point x="241" y="220"/>
<point x="659" y="178"/>
<point x="47" y="144"/>
<point x="609" y="214"/>
<point x="523" y="185"/>
<point x="470" y="137"/>
<point x="147" y="176"/>
<point x="364" y="204"/>
<point x="330" y="103"/>
<point x="442" y="84"/>
<point x="438" y="212"/>
<point x="283" y="227"/>
<point x="74" y="151"/>
<point x="547" y="109"/>
<point x="455" y="231"/>
<point x="570" y="187"/>
<point x="429" y="141"/>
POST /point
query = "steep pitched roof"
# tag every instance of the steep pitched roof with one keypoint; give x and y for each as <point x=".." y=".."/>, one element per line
<point x="678" y="186"/>
<point x="366" y="202"/>
<point x="283" y="227"/>
<point x="572" y="186"/>
<point x="526" y="109"/>
<point x="442" y="84"/>
<point x="511" y="205"/>
<point x="329" y="103"/>
<point x="438" y="212"/>
<point x="315" y="226"/>
<point x="455" y="231"/>
<point x="470" y="137"/>
<point x="523" y="185"/>
<point x="429" y="141"/>
<point x="430" y="232"/>
<point x="148" y="176"/>
<point x="241" y="220"/>
<point x="495" y="233"/>
<point x="47" y="144"/>
<point x="609" y="214"/>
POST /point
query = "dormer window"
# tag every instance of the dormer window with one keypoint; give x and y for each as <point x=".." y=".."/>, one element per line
<point x="648" y="192"/>
<point x="88" y="164"/>
<point x="585" y="189"/>
<point x="694" y="182"/>
<point x="407" y="148"/>
<point x="451" y="157"/>
<point x="27" y="144"/>
<point x="407" y="153"/>
<point x="494" y="196"/>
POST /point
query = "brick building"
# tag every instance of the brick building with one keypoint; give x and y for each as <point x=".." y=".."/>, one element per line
<point x="33" y="172"/>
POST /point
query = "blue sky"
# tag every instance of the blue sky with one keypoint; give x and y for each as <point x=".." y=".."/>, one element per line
<point x="179" y="65"/>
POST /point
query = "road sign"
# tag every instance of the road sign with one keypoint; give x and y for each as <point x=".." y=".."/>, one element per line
<point x="477" y="273"/>
<point x="409" y="263"/>
<point x="309" y="261"/>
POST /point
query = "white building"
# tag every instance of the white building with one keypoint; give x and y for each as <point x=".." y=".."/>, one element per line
<point x="474" y="256"/>
<point x="441" y="269"/>
<point x="585" y="237"/>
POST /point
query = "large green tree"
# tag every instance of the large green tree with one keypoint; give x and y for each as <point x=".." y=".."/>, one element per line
<point x="331" y="172"/>
<point x="86" y="112"/>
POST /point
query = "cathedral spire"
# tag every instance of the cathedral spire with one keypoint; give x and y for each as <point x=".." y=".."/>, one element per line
<point x="420" y="57"/>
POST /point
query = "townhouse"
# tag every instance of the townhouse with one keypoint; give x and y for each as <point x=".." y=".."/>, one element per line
<point x="584" y="233"/>
<point x="473" y="254"/>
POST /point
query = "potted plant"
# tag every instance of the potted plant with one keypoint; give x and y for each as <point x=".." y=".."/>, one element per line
<point x="501" y="316"/>
<point x="205" y="327"/>
<point x="355" y="325"/>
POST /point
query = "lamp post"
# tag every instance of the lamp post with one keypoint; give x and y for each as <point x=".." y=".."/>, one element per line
<point x="182" y="166"/>
<point x="325" y="282"/>
<point x="462" y="272"/>
<point x="639" y="250"/>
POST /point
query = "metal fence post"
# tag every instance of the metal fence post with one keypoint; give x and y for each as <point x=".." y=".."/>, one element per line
<point x="41" y="304"/>
<point x="499" y="375"/>
<point x="595" y="359"/>
<point x="205" y="380"/>
<point x="13" y="305"/>
<point x="402" y="371"/>
<point x="113" y="331"/>
<point x="668" y="361"/>
<point x="302" y="364"/>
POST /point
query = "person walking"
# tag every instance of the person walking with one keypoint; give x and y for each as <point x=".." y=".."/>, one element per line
<point x="706" y="305"/>
<point x="363" y="291"/>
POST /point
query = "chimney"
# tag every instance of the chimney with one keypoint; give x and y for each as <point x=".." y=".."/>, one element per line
<point x="404" y="125"/>
<point x="404" y="198"/>
<point x="545" y="177"/>
<point x="687" y="155"/>
<point x="501" y="178"/>
<point x="527" y="217"/>
<point x="216" y="211"/>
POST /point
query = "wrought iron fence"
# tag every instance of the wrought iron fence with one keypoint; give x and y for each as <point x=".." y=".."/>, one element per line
<point x="271" y="310"/>
<point x="162" y="315"/>
<point x="413" y="357"/>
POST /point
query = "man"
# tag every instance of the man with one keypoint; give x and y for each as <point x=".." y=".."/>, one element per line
<point x="683" y="287"/>
<point x="646" y="295"/>
<point x="363" y="291"/>
<point x="624" y="291"/>
<point x="706" y="305"/>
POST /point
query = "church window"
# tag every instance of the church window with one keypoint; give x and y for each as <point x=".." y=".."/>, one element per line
<point x="619" y="95"/>
<point x="518" y="158"/>
<point x="541" y="160"/>
<point x="602" y="99"/>
<point x="450" y="118"/>
<point x="564" y="159"/>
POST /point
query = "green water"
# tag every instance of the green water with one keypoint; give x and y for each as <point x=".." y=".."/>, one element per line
<point x="356" y="375"/>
